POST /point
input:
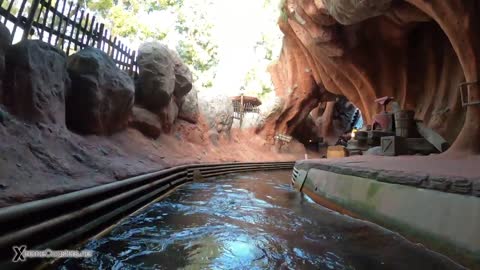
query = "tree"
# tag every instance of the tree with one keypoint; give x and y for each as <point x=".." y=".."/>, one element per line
<point x="190" y="33"/>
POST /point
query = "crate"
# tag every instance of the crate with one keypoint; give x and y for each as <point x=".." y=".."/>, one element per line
<point x="393" y="146"/>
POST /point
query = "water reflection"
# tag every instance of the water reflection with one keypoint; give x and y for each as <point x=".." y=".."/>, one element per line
<point x="253" y="221"/>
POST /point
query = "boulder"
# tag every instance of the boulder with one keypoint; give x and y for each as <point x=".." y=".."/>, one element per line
<point x="146" y="122"/>
<point x="217" y="110"/>
<point x="213" y="137"/>
<point x="156" y="79"/>
<point x="183" y="76"/>
<point x="269" y="110"/>
<point x="5" y="41"/>
<point x="168" y="115"/>
<point x="102" y="95"/>
<point x="189" y="107"/>
<point x="36" y="81"/>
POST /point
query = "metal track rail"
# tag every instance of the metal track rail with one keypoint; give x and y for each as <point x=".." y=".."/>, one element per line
<point x="64" y="220"/>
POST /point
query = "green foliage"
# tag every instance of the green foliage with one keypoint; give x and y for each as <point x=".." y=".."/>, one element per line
<point x="188" y="26"/>
<point x="101" y="6"/>
<point x="265" y="91"/>
<point x="283" y="10"/>
<point x="190" y="32"/>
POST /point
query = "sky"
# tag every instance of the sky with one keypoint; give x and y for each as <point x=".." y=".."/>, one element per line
<point x="237" y="28"/>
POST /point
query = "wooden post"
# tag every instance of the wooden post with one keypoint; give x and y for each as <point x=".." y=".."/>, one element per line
<point x="133" y="63"/>
<point x="79" y="28"/>
<point x="64" y="32"/>
<point x="45" y="16"/>
<point x="85" y="31"/>
<point x="59" y="28"/>
<point x="19" y="15"/>
<point x="114" y="45"/>
<point x="73" y="29"/>
<point x="9" y="9"/>
<point x="100" y="36"/>
<point x="52" y="24"/>
<point x="90" y="31"/>
<point x="93" y="35"/>
<point x="241" y="110"/>
<point x="31" y="15"/>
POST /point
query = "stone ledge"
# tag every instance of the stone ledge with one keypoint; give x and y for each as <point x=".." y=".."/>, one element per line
<point x="426" y="216"/>
<point x="446" y="183"/>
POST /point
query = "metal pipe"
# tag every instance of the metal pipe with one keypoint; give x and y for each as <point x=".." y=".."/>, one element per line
<point x="17" y="236"/>
<point x="22" y="210"/>
<point x="53" y="215"/>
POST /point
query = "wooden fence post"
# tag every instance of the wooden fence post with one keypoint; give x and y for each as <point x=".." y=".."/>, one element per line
<point x="31" y="15"/>
<point x="132" y="64"/>
<point x="100" y="36"/>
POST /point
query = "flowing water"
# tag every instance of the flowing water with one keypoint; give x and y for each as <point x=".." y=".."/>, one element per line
<point x="250" y="221"/>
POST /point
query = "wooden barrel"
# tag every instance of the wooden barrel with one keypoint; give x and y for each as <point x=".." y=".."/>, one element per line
<point x="404" y="123"/>
<point x="362" y="138"/>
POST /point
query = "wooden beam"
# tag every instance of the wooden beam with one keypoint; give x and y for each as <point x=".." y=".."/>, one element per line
<point x="433" y="137"/>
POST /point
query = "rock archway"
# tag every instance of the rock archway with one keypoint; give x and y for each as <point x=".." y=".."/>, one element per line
<point x="417" y="51"/>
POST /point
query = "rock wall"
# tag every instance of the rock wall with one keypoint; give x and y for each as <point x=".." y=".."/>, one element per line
<point x="296" y="86"/>
<point x="217" y="110"/>
<point x="88" y="94"/>
<point x="164" y="85"/>
<point x="102" y="96"/>
<point x="36" y="81"/>
<point x="333" y="119"/>
<point x="417" y="51"/>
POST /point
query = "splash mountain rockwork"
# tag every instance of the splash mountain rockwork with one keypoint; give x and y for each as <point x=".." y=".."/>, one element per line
<point x="68" y="123"/>
<point x="101" y="97"/>
<point x="416" y="51"/>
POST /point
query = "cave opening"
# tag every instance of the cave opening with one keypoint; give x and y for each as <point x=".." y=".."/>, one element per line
<point x="329" y="123"/>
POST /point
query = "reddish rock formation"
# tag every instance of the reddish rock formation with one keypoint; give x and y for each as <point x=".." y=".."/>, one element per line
<point x="417" y="51"/>
<point x="146" y="122"/>
<point x="36" y="81"/>
<point x="102" y="96"/>
<point x="163" y="85"/>
<point x="294" y="82"/>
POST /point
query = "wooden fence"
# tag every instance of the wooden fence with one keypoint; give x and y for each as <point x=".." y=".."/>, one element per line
<point x="65" y="25"/>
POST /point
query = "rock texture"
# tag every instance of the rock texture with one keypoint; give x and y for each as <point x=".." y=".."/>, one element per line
<point x="334" y="118"/>
<point x="183" y="76"/>
<point x="146" y="122"/>
<point x="417" y="51"/>
<point x="5" y="41"/>
<point x="295" y="84"/>
<point x="354" y="11"/>
<point x="189" y="108"/>
<point x="218" y="112"/>
<point x="36" y="81"/>
<point x="102" y="95"/>
<point x="156" y="81"/>
<point x="164" y="85"/>
<point x="168" y="115"/>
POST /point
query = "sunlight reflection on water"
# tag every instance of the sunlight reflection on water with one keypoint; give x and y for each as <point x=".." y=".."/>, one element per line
<point x="253" y="221"/>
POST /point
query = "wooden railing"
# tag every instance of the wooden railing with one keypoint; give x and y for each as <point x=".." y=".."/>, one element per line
<point x="65" y="25"/>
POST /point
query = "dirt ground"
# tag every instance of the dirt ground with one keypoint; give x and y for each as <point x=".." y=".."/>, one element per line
<point x="38" y="161"/>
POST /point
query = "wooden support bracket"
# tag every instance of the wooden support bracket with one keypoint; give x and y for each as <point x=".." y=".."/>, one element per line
<point x="464" y="95"/>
